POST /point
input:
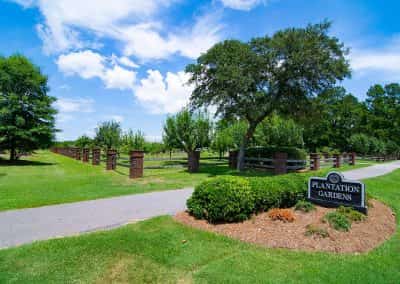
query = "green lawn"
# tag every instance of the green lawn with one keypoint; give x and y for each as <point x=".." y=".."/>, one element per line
<point x="46" y="178"/>
<point x="162" y="251"/>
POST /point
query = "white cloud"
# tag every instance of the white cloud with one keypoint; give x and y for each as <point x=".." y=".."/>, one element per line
<point x="75" y="24"/>
<point x="244" y="5"/>
<point x="88" y="64"/>
<point x="164" y="95"/>
<point x="145" y="41"/>
<point x="69" y="105"/>
<point x="384" y="60"/>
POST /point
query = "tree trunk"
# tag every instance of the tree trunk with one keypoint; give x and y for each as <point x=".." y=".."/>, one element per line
<point x="193" y="161"/>
<point x="243" y="146"/>
<point x="13" y="154"/>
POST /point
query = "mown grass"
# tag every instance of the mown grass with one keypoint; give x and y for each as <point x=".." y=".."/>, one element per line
<point x="161" y="250"/>
<point x="46" y="178"/>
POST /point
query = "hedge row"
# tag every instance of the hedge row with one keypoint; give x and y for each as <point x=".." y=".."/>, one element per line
<point x="230" y="199"/>
<point x="268" y="152"/>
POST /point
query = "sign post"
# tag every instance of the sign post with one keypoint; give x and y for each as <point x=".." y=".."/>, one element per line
<point x="335" y="191"/>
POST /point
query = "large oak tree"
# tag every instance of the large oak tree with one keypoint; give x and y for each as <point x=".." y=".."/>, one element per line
<point x="251" y="80"/>
<point x="26" y="112"/>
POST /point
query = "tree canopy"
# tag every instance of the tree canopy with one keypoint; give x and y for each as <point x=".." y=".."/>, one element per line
<point x="108" y="134"/>
<point x="250" y="80"/>
<point x="27" y="118"/>
<point x="190" y="132"/>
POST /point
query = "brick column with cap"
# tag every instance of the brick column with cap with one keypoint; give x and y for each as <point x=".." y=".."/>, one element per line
<point x="336" y="161"/>
<point x="77" y="153"/>
<point x="136" y="164"/>
<point x="315" y="162"/>
<point x="280" y="163"/>
<point x="233" y="155"/>
<point x="96" y="152"/>
<point x="111" y="163"/>
<point x="352" y="160"/>
<point x="85" y="155"/>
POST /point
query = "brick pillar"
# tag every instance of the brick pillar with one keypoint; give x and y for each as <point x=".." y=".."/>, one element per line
<point x="77" y="153"/>
<point x="280" y="163"/>
<point x="136" y="164"/>
<point x="85" y="155"/>
<point x="315" y="162"/>
<point x="352" y="160"/>
<point x="96" y="156"/>
<point x="111" y="160"/>
<point x="233" y="155"/>
<point x="336" y="161"/>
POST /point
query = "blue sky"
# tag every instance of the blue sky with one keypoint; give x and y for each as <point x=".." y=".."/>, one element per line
<point x="124" y="59"/>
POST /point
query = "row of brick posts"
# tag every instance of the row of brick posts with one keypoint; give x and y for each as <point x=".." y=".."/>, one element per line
<point x="315" y="160"/>
<point x="136" y="158"/>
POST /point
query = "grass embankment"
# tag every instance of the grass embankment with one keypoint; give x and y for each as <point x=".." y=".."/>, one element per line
<point x="162" y="251"/>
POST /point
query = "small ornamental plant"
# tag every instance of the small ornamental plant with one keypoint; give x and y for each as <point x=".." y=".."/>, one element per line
<point x="305" y="206"/>
<point x="351" y="214"/>
<point x="338" y="221"/>
<point x="314" y="230"/>
<point x="285" y="215"/>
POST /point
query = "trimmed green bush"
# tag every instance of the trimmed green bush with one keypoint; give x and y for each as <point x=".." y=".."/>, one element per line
<point x="278" y="191"/>
<point x="222" y="199"/>
<point x="268" y="152"/>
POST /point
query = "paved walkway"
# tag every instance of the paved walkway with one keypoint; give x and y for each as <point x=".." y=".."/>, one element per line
<point x="28" y="225"/>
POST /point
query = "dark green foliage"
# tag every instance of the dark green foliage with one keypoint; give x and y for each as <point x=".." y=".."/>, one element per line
<point x="222" y="199"/>
<point x="351" y="214"/>
<point x="268" y="152"/>
<point x="278" y="191"/>
<point x="264" y="193"/>
<point x="314" y="230"/>
<point x="27" y="117"/>
<point x="305" y="206"/>
<point x="279" y="131"/>
<point x="251" y="80"/>
<point x="338" y="221"/>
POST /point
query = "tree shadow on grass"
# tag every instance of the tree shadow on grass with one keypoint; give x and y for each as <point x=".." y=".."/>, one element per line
<point x="21" y="163"/>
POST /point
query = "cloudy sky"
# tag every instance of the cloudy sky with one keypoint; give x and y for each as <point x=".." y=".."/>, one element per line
<point x="124" y="59"/>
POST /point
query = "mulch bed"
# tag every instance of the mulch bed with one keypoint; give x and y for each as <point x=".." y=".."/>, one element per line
<point x="261" y="230"/>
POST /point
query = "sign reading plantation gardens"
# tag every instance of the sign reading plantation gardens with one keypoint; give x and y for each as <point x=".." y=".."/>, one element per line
<point x="334" y="191"/>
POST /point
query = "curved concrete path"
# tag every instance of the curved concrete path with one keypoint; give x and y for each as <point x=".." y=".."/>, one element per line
<point x="28" y="225"/>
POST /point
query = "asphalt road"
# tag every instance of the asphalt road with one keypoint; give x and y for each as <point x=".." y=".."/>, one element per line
<point x="27" y="225"/>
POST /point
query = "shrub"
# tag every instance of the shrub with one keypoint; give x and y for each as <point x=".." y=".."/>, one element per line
<point x="304" y="206"/>
<point x="268" y="152"/>
<point x="285" y="215"/>
<point x="351" y="214"/>
<point x="338" y="221"/>
<point x="222" y="199"/>
<point x="278" y="191"/>
<point x="314" y="230"/>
